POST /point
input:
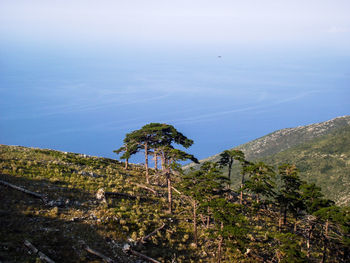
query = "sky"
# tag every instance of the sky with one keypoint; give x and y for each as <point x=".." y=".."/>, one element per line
<point x="171" y="23"/>
<point x="77" y="75"/>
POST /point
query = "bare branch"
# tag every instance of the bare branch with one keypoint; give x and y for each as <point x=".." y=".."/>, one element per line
<point x="41" y="255"/>
<point x="42" y="197"/>
<point x="96" y="253"/>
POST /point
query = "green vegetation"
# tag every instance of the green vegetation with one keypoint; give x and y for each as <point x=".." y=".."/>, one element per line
<point x="274" y="216"/>
<point x="321" y="152"/>
<point x="158" y="139"/>
<point x="323" y="161"/>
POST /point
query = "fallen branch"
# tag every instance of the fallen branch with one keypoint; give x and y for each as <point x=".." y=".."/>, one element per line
<point x="42" y="197"/>
<point x="41" y="255"/>
<point x="128" y="249"/>
<point x="96" y="253"/>
<point x="142" y="240"/>
<point x="143" y="256"/>
<point x="147" y="188"/>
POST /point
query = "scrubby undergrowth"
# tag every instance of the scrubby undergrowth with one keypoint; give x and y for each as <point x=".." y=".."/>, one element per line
<point x="73" y="216"/>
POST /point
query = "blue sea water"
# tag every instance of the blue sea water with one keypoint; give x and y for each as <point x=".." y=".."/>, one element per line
<point x="85" y="101"/>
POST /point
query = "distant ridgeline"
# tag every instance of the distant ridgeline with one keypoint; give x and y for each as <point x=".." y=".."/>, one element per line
<point x="321" y="152"/>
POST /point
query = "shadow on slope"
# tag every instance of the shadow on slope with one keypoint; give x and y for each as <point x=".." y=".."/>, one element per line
<point x="57" y="231"/>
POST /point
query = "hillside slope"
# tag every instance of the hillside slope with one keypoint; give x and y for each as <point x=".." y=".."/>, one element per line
<point x="69" y="220"/>
<point x="324" y="161"/>
<point x="72" y="217"/>
<point x="286" y="138"/>
<point x="307" y="137"/>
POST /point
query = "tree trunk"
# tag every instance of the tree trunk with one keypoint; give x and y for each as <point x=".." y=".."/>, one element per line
<point x="241" y="196"/>
<point x="208" y="217"/>
<point x="126" y="164"/>
<point x="229" y="170"/>
<point x="162" y="160"/>
<point x="324" y="254"/>
<point x="280" y="223"/>
<point x="170" y="198"/>
<point x="220" y="245"/>
<point x="295" y="226"/>
<point x="325" y="242"/>
<point x="242" y="185"/>
<point x="308" y="241"/>
<point x="146" y="162"/>
<point x="155" y="161"/>
<point x="285" y="216"/>
<point x="195" y="222"/>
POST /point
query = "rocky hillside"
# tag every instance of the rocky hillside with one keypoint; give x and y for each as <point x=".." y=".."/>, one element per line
<point x="66" y="220"/>
<point x="67" y="207"/>
<point x="286" y="138"/>
<point x="270" y="148"/>
<point x="325" y="161"/>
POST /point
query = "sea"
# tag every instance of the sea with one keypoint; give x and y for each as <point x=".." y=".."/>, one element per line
<point x="85" y="100"/>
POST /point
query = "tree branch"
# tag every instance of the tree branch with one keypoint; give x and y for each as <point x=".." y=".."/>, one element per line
<point x="41" y="255"/>
<point x="142" y="240"/>
<point x="141" y="255"/>
<point x="42" y="197"/>
<point x="147" y="188"/>
<point x="96" y="253"/>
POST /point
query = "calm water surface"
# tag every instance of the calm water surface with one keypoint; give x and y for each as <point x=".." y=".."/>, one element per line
<point x="86" y="101"/>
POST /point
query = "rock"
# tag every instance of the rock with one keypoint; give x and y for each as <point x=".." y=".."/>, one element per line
<point x="92" y="174"/>
<point x="58" y="203"/>
<point x="126" y="247"/>
<point x="51" y="203"/>
<point x="100" y="195"/>
<point x="93" y="217"/>
<point x="193" y="245"/>
<point x="130" y="240"/>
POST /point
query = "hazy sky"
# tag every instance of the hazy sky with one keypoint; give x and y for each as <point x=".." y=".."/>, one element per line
<point x="183" y="23"/>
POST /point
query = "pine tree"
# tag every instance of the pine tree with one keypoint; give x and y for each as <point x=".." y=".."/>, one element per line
<point x="289" y="197"/>
<point x="313" y="198"/>
<point x="201" y="186"/>
<point x="289" y="250"/>
<point x="129" y="148"/>
<point x="156" y="136"/>
<point x="171" y="156"/>
<point x="260" y="181"/>
<point x="228" y="157"/>
<point x="229" y="227"/>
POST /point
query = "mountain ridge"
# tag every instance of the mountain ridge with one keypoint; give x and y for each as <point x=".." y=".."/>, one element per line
<point x="320" y="151"/>
<point x="264" y="145"/>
